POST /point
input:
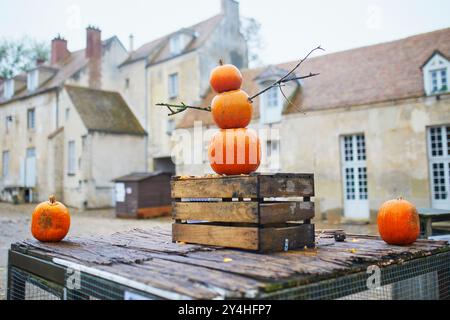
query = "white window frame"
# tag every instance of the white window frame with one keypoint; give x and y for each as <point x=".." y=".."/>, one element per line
<point x="356" y="204"/>
<point x="71" y="158"/>
<point x="273" y="98"/>
<point x="273" y="148"/>
<point x="175" y="44"/>
<point x="31" y="118"/>
<point x="170" y="127"/>
<point x="442" y="160"/>
<point x="5" y="164"/>
<point x="435" y="66"/>
<point x="33" y="80"/>
<point x="8" y="89"/>
<point x="174" y="85"/>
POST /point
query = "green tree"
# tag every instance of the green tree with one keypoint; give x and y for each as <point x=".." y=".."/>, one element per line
<point x="20" y="55"/>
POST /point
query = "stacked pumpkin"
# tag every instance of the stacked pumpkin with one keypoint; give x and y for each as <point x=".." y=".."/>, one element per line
<point x="234" y="150"/>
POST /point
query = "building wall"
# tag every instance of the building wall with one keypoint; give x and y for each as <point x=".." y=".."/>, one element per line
<point x="187" y="67"/>
<point x="19" y="138"/>
<point x="112" y="156"/>
<point x="134" y="94"/>
<point x="396" y="147"/>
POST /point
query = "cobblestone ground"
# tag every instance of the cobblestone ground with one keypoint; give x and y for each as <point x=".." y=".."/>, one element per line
<point x="15" y="225"/>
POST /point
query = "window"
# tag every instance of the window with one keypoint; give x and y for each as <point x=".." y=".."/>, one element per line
<point x="170" y="126"/>
<point x="8" y="89"/>
<point x="439" y="80"/>
<point x="355" y="170"/>
<point x="273" y="97"/>
<point x="173" y="85"/>
<point x="33" y="80"/>
<point x="5" y="164"/>
<point x="67" y="114"/>
<point x="273" y="154"/>
<point x="439" y="162"/>
<point x="435" y="73"/>
<point x="31" y="114"/>
<point x="355" y="177"/>
<point x="175" y="45"/>
<point x="8" y="123"/>
<point x="71" y="158"/>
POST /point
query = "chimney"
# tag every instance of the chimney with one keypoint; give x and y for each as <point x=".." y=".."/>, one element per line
<point x="93" y="42"/>
<point x="230" y="9"/>
<point x="40" y="61"/>
<point x="59" y="50"/>
<point x="94" y="54"/>
<point x="131" y="43"/>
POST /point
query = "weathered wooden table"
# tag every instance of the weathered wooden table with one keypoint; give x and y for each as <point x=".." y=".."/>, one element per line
<point x="428" y="216"/>
<point x="146" y="264"/>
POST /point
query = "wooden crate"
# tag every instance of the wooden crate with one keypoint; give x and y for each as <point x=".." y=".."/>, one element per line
<point x="260" y="212"/>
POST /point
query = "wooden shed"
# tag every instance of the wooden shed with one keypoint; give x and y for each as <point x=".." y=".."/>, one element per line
<point x="143" y="195"/>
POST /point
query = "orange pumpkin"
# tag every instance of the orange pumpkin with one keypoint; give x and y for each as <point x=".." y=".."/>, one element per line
<point x="235" y="151"/>
<point x="232" y="109"/>
<point x="50" y="221"/>
<point x="225" y="78"/>
<point x="398" y="222"/>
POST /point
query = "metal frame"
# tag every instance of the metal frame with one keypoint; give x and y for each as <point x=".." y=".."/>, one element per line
<point x="335" y="288"/>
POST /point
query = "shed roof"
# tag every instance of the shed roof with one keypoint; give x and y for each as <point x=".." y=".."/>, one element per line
<point x="378" y="73"/>
<point x="104" y="111"/>
<point x="140" y="176"/>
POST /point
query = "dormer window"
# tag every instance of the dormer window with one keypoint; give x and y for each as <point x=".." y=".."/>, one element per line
<point x="8" y="89"/>
<point x="32" y="80"/>
<point x="273" y="97"/>
<point x="175" y="44"/>
<point x="435" y="73"/>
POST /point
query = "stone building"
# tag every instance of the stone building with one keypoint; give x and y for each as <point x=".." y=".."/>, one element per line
<point x="176" y="68"/>
<point x="373" y="126"/>
<point x="60" y="131"/>
<point x="74" y="124"/>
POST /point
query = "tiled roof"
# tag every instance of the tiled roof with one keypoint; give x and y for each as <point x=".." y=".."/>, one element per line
<point x="65" y="69"/>
<point x="104" y="111"/>
<point x="158" y="50"/>
<point x="383" y="72"/>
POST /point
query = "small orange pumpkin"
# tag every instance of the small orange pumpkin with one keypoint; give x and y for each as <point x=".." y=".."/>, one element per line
<point x="235" y="151"/>
<point x="398" y="222"/>
<point x="231" y="110"/>
<point x="225" y="78"/>
<point x="50" y="221"/>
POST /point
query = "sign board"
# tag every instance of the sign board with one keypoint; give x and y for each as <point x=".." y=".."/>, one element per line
<point x="120" y="192"/>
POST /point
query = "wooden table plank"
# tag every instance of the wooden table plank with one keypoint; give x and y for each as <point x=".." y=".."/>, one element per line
<point x="150" y="257"/>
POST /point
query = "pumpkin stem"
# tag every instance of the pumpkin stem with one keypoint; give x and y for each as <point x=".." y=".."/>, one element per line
<point x="221" y="62"/>
<point x="52" y="199"/>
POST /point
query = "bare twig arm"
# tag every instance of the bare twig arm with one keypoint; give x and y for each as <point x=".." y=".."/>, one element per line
<point x="287" y="78"/>
<point x="179" y="108"/>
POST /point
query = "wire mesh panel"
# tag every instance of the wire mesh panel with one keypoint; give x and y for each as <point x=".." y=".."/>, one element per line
<point x="426" y="278"/>
<point x="25" y="286"/>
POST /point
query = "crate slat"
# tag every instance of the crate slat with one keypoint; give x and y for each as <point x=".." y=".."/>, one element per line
<point x="222" y="236"/>
<point x="289" y="238"/>
<point x="253" y="186"/>
<point x="262" y="240"/>
<point x="244" y="212"/>
<point x="286" y="185"/>
<point x="279" y="212"/>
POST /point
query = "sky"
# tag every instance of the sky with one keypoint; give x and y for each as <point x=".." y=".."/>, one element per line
<point x="290" y="28"/>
